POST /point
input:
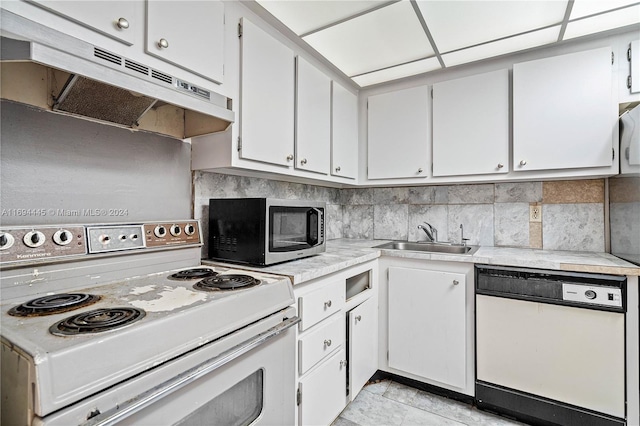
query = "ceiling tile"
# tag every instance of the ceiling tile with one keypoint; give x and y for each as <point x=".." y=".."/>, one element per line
<point x="583" y="8"/>
<point x="458" y="24"/>
<point x="501" y="47"/>
<point x="603" y="22"/>
<point x="376" y="40"/>
<point x="305" y="16"/>
<point x="399" y="71"/>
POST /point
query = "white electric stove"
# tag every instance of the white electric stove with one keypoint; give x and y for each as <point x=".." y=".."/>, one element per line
<point x="105" y="324"/>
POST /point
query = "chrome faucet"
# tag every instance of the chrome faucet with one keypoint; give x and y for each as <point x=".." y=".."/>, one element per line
<point x="463" y="240"/>
<point x="432" y="233"/>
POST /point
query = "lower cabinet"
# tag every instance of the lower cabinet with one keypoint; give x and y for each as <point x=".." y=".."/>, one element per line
<point x="337" y="341"/>
<point x="362" y="326"/>
<point x="426" y="326"/>
<point x="322" y="391"/>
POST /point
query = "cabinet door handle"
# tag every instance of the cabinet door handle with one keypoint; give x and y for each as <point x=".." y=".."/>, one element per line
<point x="327" y="342"/>
<point x="303" y="161"/>
<point x="163" y="43"/>
<point x="500" y="165"/>
<point x="456" y="282"/>
<point x="122" y="23"/>
<point x="523" y="163"/>
<point x="420" y="170"/>
<point x="359" y="318"/>
<point x="289" y="157"/>
<point x="338" y="169"/>
<point x="343" y="363"/>
<point x="327" y="304"/>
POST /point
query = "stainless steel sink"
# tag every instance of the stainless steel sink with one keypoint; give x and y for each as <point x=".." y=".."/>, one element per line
<point x="429" y="247"/>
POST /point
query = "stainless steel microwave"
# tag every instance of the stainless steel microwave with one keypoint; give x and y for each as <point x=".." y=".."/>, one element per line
<point x="264" y="231"/>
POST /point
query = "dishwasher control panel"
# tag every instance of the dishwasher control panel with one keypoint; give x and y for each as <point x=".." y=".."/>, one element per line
<point x="593" y="295"/>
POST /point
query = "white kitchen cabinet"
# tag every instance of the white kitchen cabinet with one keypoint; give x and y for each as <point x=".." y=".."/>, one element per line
<point x="399" y="134"/>
<point x="344" y="132"/>
<point x="427" y="324"/>
<point x="267" y="85"/>
<point x="313" y="118"/>
<point x="564" y="116"/>
<point x="115" y="19"/>
<point x="322" y="392"/>
<point x="321" y="341"/>
<point x="633" y="57"/>
<point x="471" y="125"/>
<point x="189" y="34"/>
<point x="363" y="344"/>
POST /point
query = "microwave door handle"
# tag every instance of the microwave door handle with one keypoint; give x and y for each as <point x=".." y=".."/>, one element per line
<point x="320" y="226"/>
<point x="319" y="232"/>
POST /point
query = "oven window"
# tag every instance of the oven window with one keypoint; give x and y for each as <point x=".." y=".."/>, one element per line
<point x="239" y="405"/>
<point x="288" y="228"/>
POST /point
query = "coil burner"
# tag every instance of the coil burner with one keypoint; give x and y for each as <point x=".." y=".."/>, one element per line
<point x="53" y="304"/>
<point x="194" y="273"/>
<point x="226" y="282"/>
<point x="96" y="321"/>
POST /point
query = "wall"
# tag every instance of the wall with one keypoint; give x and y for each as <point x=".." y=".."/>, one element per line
<point x="624" y="207"/>
<point x="57" y="169"/>
<point x="492" y="214"/>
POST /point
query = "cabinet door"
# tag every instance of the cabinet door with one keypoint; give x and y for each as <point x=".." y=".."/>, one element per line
<point x="471" y="125"/>
<point x="267" y="85"/>
<point x="344" y="132"/>
<point x="363" y="344"/>
<point x="313" y="118"/>
<point x="634" y="66"/>
<point x="427" y="324"/>
<point x="189" y="34"/>
<point x="398" y="134"/>
<point x="323" y="391"/>
<point x="115" y="19"/>
<point x="563" y="113"/>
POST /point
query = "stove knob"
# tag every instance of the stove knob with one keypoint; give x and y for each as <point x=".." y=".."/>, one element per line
<point x="189" y="229"/>
<point x="160" y="231"/>
<point x="590" y="294"/>
<point x="62" y="237"/>
<point x="175" y="230"/>
<point x="33" y="239"/>
<point x="6" y="240"/>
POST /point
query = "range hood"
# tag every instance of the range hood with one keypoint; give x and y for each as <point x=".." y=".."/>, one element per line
<point x="48" y="69"/>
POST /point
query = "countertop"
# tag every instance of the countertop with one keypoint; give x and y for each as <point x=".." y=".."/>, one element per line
<point x="344" y="253"/>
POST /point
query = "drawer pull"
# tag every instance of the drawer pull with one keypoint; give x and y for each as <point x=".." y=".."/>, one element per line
<point x="359" y="318"/>
<point x="327" y="342"/>
<point x="456" y="282"/>
<point x="327" y="304"/>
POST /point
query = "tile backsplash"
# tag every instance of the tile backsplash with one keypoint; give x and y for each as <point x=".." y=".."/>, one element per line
<point x="572" y="212"/>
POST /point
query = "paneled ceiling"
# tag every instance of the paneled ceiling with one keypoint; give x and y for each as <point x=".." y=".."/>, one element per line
<point x="374" y="41"/>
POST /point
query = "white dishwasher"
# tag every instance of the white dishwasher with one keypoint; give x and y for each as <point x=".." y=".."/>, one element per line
<point x="550" y="345"/>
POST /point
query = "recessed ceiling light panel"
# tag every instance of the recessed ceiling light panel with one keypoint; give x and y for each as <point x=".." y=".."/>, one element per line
<point x="399" y="71"/>
<point x="458" y="24"/>
<point x="583" y="8"/>
<point x="501" y="47"/>
<point x="379" y="39"/>
<point x="603" y="22"/>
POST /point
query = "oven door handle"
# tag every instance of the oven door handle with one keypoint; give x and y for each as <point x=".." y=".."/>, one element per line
<point x="149" y="397"/>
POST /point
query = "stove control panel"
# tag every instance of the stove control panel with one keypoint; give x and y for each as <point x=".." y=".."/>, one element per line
<point x="35" y="244"/>
<point x="171" y="233"/>
<point x="42" y="242"/>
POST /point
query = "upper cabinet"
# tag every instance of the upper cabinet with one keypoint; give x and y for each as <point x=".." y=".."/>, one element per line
<point x="471" y="125"/>
<point x="344" y="132"/>
<point x="187" y="34"/>
<point x="398" y="134"/>
<point x="115" y="19"/>
<point x="267" y="82"/>
<point x="563" y="112"/>
<point x="313" y="118"/>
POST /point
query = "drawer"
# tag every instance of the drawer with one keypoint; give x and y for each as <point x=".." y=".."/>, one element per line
<point x="320" y="342"/>
<point x="319" y="304"/>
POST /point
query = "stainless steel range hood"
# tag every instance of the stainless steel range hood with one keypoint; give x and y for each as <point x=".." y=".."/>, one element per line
<point x="52" y="70"/>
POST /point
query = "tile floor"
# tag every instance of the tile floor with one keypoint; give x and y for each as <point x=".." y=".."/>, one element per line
<point x="389" y="403"/>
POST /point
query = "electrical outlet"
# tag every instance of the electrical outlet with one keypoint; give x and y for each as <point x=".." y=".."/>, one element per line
<point x="535" y="213"/>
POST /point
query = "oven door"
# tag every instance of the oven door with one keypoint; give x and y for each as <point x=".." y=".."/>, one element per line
<point x="244" y="378"/>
